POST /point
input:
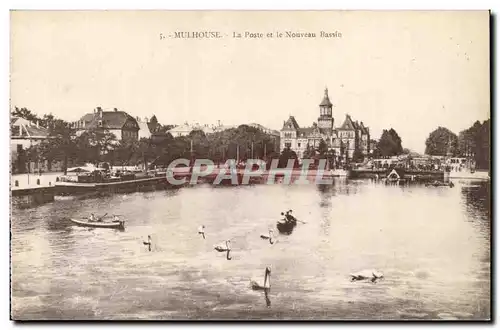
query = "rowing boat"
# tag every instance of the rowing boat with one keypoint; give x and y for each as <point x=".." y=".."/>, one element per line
<point x="286" y="227"/>
<point x="113" y="224"/>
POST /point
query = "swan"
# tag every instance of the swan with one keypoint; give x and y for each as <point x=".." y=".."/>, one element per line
<point x="372" y="275"/>
<point x="266" y="285"/>
<point x="268" y="236"/>
<point x="201" y="231"/>
<point x="148" y="243"/>
<point x="222" y="248"/>
<point x="227" y="248"/>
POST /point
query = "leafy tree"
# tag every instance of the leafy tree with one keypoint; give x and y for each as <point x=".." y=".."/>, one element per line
<point x="96" y="144"/>
<point x="357" y="156"/>
<point x="475" y="142"/>
<point x="440" y="142"/>
<point x="390" y="144"/>
<point x="322" y="149"/>
<point x="24" y="113"/>
<point x="61" y="144"/>
<point x="309" y="152"/>
<point x="286" y="155"/>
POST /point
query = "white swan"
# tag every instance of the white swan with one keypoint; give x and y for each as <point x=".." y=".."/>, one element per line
<point x="227" y="248"/>
<point x="148" y="243"/>
<point x="201" y="231"/>
<point x="368" y="274"/>
<point x="222" y="248"/>
<point x="266" y="285"/>
<point x="269" y="236"/>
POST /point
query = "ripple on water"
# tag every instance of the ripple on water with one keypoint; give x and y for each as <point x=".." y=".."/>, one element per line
<point x="435" y="258"/>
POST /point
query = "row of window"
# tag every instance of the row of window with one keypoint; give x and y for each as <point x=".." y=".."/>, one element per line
<point x="126" y="135"/>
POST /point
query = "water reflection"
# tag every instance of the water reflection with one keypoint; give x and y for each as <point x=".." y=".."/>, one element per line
<point x="416" y="235"/>
<point x="266" y="296"/>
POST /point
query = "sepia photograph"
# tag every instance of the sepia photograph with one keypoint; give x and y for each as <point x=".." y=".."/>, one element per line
<point x="250" y="165"/>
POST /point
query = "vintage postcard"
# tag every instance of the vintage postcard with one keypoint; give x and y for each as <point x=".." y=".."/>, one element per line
<point x="250" y="165"/>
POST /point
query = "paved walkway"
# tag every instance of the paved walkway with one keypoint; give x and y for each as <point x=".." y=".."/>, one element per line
<point x="30" y="180"/>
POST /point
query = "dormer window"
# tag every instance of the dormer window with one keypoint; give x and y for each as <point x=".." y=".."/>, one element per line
<point x="99" y="123"/>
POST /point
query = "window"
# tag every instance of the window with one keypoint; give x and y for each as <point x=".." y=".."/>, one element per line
<point x="288" y="144"/>
<point x="298" y="144"/>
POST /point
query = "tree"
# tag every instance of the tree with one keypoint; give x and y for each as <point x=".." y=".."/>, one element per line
<point x="201" y="145"/>
<point x="357" y="156"/>
<point x="24" y="113"/>
<point x="96" y="144"/>
<point x="390" y="144"/>
<point x="322" y="149"/>
<point x="61" y="144"/>
<point x="286" y="155"/>
<point x="441" y="142"/>
<point x="475" y="142"/>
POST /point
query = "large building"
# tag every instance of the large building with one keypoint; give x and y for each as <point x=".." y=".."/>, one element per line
<point x="120" y="123"/>
<point x="24" y="135"/>
<point x="343" y="140"/>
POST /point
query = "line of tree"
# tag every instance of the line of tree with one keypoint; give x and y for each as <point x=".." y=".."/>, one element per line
<point x="473" y="142"/>
<point x="98" y="145"/>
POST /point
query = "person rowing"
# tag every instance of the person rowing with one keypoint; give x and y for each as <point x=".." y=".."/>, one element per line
<point x="92" y="218"/>
<point x="290" y="217"/>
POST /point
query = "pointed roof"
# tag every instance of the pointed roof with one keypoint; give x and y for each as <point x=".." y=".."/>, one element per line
<point x="110" y="119"/>
<point x="348" y="123"/>
<point x="364" y="129"/>
<point x="326" y="100"/>
<point x="28" y="129"/>
<point x="291" y="123"/>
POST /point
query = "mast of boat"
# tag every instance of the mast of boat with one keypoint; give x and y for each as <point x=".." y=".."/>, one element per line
<point x="265" y="150"/>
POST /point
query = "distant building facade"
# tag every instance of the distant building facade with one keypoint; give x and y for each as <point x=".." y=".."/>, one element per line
<point x="24" y="135"/>
<point x="144" y="130"/>
<point x="186" y="128"/>
<point x="269" y="131"/>
<point x="120" y="123"/>
<point x="343" y="140"/>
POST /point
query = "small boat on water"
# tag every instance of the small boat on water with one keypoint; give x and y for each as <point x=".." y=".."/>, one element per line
<point x="286" y="227"/>
<point x="97" y="224"/>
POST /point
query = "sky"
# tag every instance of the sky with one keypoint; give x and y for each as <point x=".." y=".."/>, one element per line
<point x="411" y="71"/>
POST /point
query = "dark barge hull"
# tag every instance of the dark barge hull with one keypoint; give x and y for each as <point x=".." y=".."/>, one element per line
<point x="77" y="188"/>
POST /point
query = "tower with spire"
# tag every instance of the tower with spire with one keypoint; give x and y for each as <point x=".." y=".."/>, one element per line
<point x="325" y="119"/>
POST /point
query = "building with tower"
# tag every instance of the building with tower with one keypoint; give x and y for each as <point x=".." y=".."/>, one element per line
<point x="349" y="141"/>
